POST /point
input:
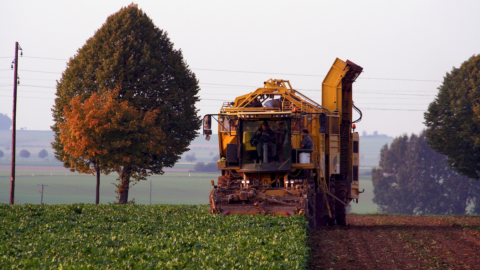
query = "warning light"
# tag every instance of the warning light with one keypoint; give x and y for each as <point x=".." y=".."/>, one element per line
<point x="354" y="126"/>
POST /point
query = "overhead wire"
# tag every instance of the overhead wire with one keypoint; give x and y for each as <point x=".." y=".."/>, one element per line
<point x="249" y="86"/>
<point x="260" y="72"/>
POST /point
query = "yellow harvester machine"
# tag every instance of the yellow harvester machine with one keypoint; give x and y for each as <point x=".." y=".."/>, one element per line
<point x="264" y="168"/>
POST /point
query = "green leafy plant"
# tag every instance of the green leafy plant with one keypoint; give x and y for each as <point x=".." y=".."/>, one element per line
<point x="147" y="237"/>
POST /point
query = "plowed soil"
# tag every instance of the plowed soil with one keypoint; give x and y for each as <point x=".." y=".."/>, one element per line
<point x="398" y="242"/>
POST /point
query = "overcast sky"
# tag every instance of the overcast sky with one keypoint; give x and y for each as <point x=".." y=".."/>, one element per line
<point x="405" y="48"/>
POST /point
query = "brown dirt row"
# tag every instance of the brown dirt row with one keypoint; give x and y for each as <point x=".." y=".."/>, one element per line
<point x="398" y="242"/>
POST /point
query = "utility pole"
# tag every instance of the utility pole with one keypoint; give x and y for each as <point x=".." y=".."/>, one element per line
<point x="41" y="193"/>
<point x="150" y="192"/>
<point x="16" y="81"/>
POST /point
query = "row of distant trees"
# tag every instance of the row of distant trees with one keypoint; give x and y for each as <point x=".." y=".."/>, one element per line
<point x="26" y="154"/>
<point x="193" y="157"/>
<point x="414" y="179"/>
<point x="437" y="171"/>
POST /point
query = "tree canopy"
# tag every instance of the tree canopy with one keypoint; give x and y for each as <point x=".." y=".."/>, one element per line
<point x="130" y="56"/>
<point x="5" y="122"/>
<point x="453" y="118"/>
<point x="24" y="153"/>
<point x="414" y="179"/>
<point x="43" y="153"/>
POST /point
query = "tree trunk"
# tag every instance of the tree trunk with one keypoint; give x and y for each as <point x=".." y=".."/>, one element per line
<point x="124" y="185"/>
<point x="97" y="193"/>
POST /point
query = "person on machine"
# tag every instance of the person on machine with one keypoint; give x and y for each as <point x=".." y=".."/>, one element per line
<point x="306" y="142"/>
<point x="265" y="136"/>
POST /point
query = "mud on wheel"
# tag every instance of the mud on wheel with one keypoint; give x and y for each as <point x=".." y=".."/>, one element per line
<point x="340" y="208"/>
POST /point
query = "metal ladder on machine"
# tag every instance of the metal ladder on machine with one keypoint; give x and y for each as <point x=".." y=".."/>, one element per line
<point x="322" y="182"/>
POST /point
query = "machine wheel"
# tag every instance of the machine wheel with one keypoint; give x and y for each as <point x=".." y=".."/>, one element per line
<point x="322" y="212"/>
<point x="331" y="201"/>
<point x="340" y="209"/>
<point x="312" y="211"/>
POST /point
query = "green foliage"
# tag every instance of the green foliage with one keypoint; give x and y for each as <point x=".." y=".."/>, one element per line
<point x="453" y="118"/>
<point x="24" y="153"/>
<point x="147" y="237"/>
<point x="414" y="179"/>
<point x="131" y="55"/>
<point x="5" y="122"/>
<point x="43" y="153"/>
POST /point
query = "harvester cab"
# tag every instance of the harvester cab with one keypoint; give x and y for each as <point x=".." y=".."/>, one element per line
<point x="283" y="153"/>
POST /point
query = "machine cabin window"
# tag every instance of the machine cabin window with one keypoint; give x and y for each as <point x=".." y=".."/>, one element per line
<point x="266" y="145"/>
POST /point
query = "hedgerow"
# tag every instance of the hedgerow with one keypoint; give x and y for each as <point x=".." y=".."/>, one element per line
<point x="147" y="237"/>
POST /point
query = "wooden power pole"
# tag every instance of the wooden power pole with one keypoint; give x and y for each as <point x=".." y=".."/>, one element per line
<point x="14" y="120"/>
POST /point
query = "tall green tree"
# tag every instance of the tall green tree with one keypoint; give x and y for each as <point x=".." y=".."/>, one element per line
<point x="414" y="179"/>
<point x="453" y="118"/>
<point x="129" y="54"/>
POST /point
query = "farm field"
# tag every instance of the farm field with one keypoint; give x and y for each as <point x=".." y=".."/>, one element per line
<point x="398" y="242"/>
<point x="65" y="187"/>
<point x="147" y="237"/>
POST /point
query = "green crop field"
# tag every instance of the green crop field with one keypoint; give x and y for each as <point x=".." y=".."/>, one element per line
<point x="147" y="237"/>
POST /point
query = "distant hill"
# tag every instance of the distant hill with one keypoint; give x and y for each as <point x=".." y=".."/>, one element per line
<point x="205" y="151"/>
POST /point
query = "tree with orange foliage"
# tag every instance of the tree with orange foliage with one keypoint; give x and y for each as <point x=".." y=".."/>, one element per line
<point x="105" y="134"/>
<point x="151" y="117"/>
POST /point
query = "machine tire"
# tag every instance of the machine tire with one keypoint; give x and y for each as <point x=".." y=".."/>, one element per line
<point x="340" y="209"/>
<point x="312" y="211"/>
<point x="322" y="212"/>
<point x="331" y="201"/>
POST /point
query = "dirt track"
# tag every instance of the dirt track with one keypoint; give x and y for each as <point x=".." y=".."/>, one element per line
<point x="398" y="242"/>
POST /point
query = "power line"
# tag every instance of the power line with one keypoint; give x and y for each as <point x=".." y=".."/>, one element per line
<point x="308" y="75"/>
<point x="50" y="80"/>
<point x="385" y="109"/>
<point x="46" y="58"/>
<point x="262" y="72"/>
<point x="28" y="97"/>
<point x="356" y="92"/>
<point x="30" y="91"/>
<point x="40" y="71"/>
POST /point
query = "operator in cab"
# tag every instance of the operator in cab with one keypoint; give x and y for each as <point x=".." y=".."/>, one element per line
<point x="265" y="136"/>
<point x="306" y="142"/>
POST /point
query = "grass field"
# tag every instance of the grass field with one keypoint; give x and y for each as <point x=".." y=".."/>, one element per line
<point x="66" y="187"/>
<point x="147" y="237"/>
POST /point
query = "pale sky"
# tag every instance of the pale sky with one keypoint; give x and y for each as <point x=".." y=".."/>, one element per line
<point x="405" y="48"/>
